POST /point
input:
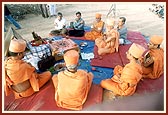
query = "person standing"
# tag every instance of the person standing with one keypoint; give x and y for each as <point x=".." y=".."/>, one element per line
<point x="72" y="85"/>
<point x="10" y="18"/>
<point x="52" y="9"/>
<point x="78" y="26"/>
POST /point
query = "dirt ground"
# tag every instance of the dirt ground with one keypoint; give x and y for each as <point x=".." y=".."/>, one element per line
<point x="138" y="16"/>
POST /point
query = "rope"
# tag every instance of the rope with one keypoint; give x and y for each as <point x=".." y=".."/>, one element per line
<point x="112" y="10"/>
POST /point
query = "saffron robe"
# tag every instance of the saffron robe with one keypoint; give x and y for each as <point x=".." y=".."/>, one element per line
<point x="18" y="71"/>
<point x="110" y="45"/>
<point x="126" y="84"/>
<point x="157" y="68"/>
<point x="96" y="32"/>
<point x="71" y="89"/>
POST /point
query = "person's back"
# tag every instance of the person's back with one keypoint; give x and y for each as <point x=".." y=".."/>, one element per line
<point x="124" y="82"/>
<point x="73" y="89"/>
<point x="20" y="77"/>
<point x="72" y="85"/>
<point x="153" y="63"/>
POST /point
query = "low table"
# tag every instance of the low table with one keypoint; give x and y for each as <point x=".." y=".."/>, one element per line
<point x="59" y="47"/>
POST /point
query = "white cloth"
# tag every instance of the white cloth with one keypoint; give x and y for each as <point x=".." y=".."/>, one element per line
<point x="33" y="61"/>
<point x="87" y="56"/>
<point x="59" y="24"/>
<point x="52" y="9"/>
<point x="121" y="41"/>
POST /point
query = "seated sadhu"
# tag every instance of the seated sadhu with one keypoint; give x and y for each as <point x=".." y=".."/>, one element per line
<point x="20" y="77"/>
<point x="72" y="85"/>
<point x="125" y="79"/>
<point x="153" y="61"/>
<point x="109" y="42"/>
<point x="96" y="28"/>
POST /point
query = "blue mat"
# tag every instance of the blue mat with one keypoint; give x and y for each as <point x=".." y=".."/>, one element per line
<point x="100" y="73"/>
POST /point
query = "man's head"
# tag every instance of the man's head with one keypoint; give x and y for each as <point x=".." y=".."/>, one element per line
<point x="59" y="15"/>
<point x="110" y="23"/>
<point x="17" y="46"/>
<point x="98" y="17"/>
<point x="135" y="51"/>
<point x="121" y="21"/>
<point x="71" y="58"/>
<point x="78" y="15"/>
<point x="155" y="41"/>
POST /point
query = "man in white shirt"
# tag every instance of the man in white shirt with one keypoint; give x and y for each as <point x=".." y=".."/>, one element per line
<point x="60" y="24"/>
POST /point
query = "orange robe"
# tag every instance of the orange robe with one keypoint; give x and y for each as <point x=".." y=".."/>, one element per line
<point x="157" y="68"/>
<point x="126" y="84"/>
<point x="108" y="47"/>
<point x="18" y="71"/>
<point x="71" y="89"/>
<point x="93" y="34"/>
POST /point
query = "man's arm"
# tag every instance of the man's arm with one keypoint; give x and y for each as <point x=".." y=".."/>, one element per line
<point x="79" y="24"/>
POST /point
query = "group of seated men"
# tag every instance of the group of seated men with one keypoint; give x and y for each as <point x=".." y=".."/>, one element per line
<point x="72" y="85"/>
<point x="107" y="41"/>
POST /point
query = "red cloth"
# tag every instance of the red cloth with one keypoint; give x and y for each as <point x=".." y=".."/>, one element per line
<point x="44" y="100"/>
<point x="122" y="52"/>
<point x="150" y="85"/>
<point x="46" y="96"/>
<point x="111" y="60"/>
<point x="108" y="60"/>
<point x="137" y="37"/>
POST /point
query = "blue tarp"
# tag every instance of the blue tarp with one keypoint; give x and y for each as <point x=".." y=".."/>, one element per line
<point x="100" y="73"/>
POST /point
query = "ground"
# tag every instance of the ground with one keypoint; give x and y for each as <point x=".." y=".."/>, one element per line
<point x="138" y="16"/>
